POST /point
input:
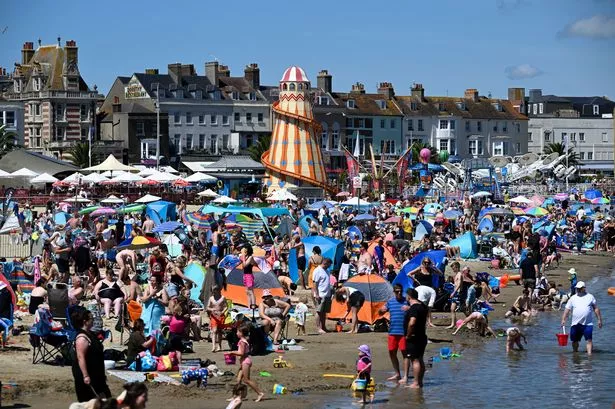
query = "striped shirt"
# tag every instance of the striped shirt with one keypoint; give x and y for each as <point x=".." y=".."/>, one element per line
<point x="396" y="326"/>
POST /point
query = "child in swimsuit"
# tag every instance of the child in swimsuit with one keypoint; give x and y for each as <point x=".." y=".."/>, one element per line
<point x="364" y="369"/>
<point x="513" y="336"/>
<point x="243" y="352"/>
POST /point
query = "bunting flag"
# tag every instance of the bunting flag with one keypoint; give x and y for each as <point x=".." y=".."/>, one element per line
<point x="402" y="168"/>
<point x="352" y="164"/>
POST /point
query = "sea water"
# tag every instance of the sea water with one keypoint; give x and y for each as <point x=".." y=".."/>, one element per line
<point x="544" y="375"/>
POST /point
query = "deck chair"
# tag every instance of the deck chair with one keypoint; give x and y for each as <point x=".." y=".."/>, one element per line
<point x="131" y="311"/>
<point x="50" y="347"/>
<point x="57" y="295"/>
<point x="6" y="324"/>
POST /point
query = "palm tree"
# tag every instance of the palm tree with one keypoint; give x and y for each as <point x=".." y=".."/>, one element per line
<point x="7" y="141"/>
<point x="416" y="149"/>
<point x="257" y="150"/>
<point x="80" y="154"/>
<point x="573" y="158"/>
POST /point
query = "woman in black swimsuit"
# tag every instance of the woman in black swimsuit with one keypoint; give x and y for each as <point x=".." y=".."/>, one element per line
<point x="38" y="296"/>
<point x="107" y="292"/>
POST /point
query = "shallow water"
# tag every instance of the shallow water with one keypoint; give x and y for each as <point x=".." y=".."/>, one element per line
<point x="544" y="375"/>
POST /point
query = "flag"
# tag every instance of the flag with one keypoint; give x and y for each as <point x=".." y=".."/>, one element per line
<point x="357" y="147"/>
<point x="352" y="164"/>
<point x="402" y="168"/>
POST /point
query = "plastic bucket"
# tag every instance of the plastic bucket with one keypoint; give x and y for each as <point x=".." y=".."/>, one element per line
<point x="360" y="384"/>
<point x="229" y="359"/>
<point x="562" y="339"/>
<point x="279" y="389"/>
<point x="445" y="352"/>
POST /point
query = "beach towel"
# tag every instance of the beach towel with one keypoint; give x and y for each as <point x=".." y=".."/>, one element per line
<point x="151" y="315"/>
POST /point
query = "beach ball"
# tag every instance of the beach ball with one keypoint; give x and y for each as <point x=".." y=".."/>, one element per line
<point x="424" y="155"/>
<point x="443" y="155"/>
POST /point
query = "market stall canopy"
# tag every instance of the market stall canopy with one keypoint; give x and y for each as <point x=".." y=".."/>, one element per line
<point x="24" y="172"/>
<point x="200" y="177"/>
<point x="281" y="195"/>
<point x="127" y="178"/>
<point x="148" y="199"/>
<point x="224" y="199"/>
<point x="73" y="178"/>
<point x="112" y="199"/>
<point x="146" y="172"/>
<point x="354" y="201"/>
<point x="111" y="164"/>
<point x="109" y="173"/>
<point x="4" y="174"/>
<point x="44" y="178"/>
<point x="207" y="193"/>
<point x="93" y="178"/>
<point x="37" y="162"/>
<point x="163" y="177"/>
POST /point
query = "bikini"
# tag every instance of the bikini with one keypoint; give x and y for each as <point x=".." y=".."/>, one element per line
<point x="245" y="359"/>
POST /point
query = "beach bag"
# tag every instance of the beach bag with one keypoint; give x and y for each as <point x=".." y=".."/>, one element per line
<point x="148" y="362"/>
<point x="381" y="325"/>
<point x="165" y="363"/>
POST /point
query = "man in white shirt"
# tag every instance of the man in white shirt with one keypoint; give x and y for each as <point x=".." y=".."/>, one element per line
<point x="583" y="306"/>
<point x="580" y="213"/>
<point x="321" y="290"/>
<point x="427" y="296"/>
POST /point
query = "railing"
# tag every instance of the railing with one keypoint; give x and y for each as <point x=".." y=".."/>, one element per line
<point x="11" y="246"/>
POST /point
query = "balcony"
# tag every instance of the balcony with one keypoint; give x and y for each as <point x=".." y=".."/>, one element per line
<point x="445" y="133"/>
<point x="61" y="144"/>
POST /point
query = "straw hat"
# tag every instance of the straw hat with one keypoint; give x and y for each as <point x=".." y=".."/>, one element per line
<point x="572" y="271"/>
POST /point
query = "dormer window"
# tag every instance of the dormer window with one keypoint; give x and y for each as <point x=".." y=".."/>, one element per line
<point x="382" y="104"/>
<point x="441" y="107"/>
<point x="414" y="106"/>
<point x="252" y="96"/>
<point x="596" y="110"/>
<point x="350" y="104"/>
<point x="36" y="84"/>
<point x="461" y="106"/>
<point x="17" y="85"/>
<point x="235" y="96"/>
<point x="322" y="100"/>
<point x="498" y="107"/>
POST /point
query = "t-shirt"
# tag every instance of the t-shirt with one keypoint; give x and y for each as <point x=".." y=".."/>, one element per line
<point x="427" y="295"/>
<point x="407" y="225"/>
<point x="300" y="312"/>
<point x="321" y="279"/>
<point x="397" y="316"/>
<point x="135" y="345"/>
<point x="418" y="311"/>
<point x="582" y="309"/>
<point x="528" y="270"/>
<point x="598" y="226"/>
<point x="580" y="213"/>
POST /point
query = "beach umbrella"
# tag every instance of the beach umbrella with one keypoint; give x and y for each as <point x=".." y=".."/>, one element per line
<point x="600" y="200"/>
<point x="198" y="220"/>
<point x="181" y="183"/>
<point x="364" y="217"/>
<point x="77" y="199"/>
<point x="517" y="211"/>
<point x="60" y="183"/>
<point x="44" y="178"/>
<point x="73" y="178"/>
<point x="432" y="208"/>
<point x="163" y="177"/>
<point x="133" y="208"/>
<point x="537" y="200"/>
<point x="146" y="172"/>
<point x="342" y="194"/>
<point x="167" y="227"/>
<point x="561" y="196"/>
<point x="61" y="217"/>
<point x="393" y="219"/>
<point x="281" y="195"/>
<point x="200" y="177"/>
<point x="113" y="200"/>
<point x="318" y="205"/>
<point x="148" y="182"/>
<point x="93" y="178"/>
<point x="499" y="211"/>
<point x="139" y="242"/>
<point x="536" y="211"/>
<point x="4" y="174"/>
<point x="410" y="209"/>
<point x="110" y="174"/>
<point x="148" y="198"/>
<point x="88" y="210"/>
<point x="480" y="194"/>
<point x="592" y="194"/>
<point x="452" y="214"/>
<point x="224" y="199"/>
<point x="521" y="199"/>
<point x="25" y="172"/>
<point x="103" y="211"/>
<point x="111" y="164"/>
<point x="207" y="193"/>
<point x="354" y="201"/>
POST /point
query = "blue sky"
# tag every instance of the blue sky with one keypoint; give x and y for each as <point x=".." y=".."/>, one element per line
<point x="564" y="47"/>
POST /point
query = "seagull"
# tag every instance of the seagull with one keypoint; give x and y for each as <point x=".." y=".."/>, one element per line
<point x="5" y="29"/>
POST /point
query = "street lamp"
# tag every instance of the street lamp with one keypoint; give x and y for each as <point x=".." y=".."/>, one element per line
<point x="157" y="126"/>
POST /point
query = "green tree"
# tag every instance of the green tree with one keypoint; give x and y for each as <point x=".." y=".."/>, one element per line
<point x="573" y="158"/>
<point x="80" y="154"/>
<point x="7" y="141"/>
<point x="262" y="146"/>
<point x="416" y="149"/>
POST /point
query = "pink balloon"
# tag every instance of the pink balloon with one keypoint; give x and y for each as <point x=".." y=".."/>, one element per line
<point x="425" y="154"/>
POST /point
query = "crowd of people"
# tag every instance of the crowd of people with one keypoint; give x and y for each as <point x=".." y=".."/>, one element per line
<point x="83" y="253"/>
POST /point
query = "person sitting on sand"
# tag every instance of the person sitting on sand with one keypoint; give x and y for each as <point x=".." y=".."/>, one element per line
<point x="513" y="337"/>
<point x="481" y="322"/>
<point x="522" y="305"/>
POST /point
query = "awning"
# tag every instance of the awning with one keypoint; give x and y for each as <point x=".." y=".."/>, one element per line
<point x="598" y="166"/>
<point x="196" y="166"/>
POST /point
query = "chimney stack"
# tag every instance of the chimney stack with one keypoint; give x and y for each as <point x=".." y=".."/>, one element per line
<point x="325" y="81"/>
<point x="211" y="72"/>
<point x="357" y="88"/>
<point x="223" y="71"/>
<point x="188" y="70"/>
<point x="27" y="52"/>
<point x="252" y="74"/>
<point x="417" y="91"/>
<point x="175" y="71"/>
<point x="151" y="71"/>
<point x="71" y="51"/>
<point x="535" y="94"/>
<point x="386" y="89"/>
<point x="471" y="93"/>
<point x="516" y="94"/>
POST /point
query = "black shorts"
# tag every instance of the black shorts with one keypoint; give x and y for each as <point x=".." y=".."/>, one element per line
<point x="175" y="343"/>
<point x="301" y="263"/>
<point x="356" y="300"/>
<point x="63" y="265"/>
<point x="415" y="347"/>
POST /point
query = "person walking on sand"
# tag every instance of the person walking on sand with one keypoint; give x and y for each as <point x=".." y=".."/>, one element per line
<point x="583" y="307"/>
<point x="416" y="337"/>
<point x="321" y="291"/>
<point x="396" y="307"/>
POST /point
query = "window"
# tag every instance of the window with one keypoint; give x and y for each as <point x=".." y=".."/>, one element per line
<point x="452" y="124"/>
<point x="500" y="148"/>
<point x="518" y="147"/>
<point x="387" y="147"/>
<point x="225" y="120"/>
<point x="393" y="123"/>
<point x="10" y="119"/>
<point x="443" y="124"/>
<point x="410" y="125"/>
<point x="582" y="155"/>
<point x="505" y="127"/>
<point x="441" y="107"/>
<point x="604" y="137"/>
<point x="573" y="136"/>
<point x="535" y="109"/>
<point x="420" y="125"/>
<point x="248" y="117"/>
<point x="252" y="96"/>
<point x="17" y="85"/>
<point x="350" y="104"/>
<point x="189" y="141"/>
<point x="177" y="119"/>
<point x="382" y="104"/>
<point x="461" y="106"/>
<point x="140" y="129"/>
<point x="36" y="84"/>
<point x="382" y="124"/>
<point x="548" y="136"/>
<point x="467" y="126"/>
<point x="529" y="137"/>
<point x="335" y="138"/>
<point x="581" y="136"/>
<point x="237" y="117"/>
<point x="213" y="143"/>
<point x="541" y="108"/>
<point x="443" y="145"/>
<point x="35" y="138"/>
<point x="225" y="142"/>
<point x="213" y="119"/>
<point x="189" y="118"/>
<point x="518" y="127"/>
<point x="202" y="141"/>
<point x="564" y="137"/>
<point x="60" y="112"/>
<point x="495" y="126"/>
<point x="177" y="138"/>
<point x="235" y="95"/>
<point x="83" y="112"/>
<point x="322" y="100"/>
<point x="201" y="119"/>
<point x="596" y="110"/>
<point x="590" y="155"/>
<point x="84" y="133"/>
<point x="324" y="140"/>
<point x="60" y="132"/>
<point x="35" y="109"/>
<point x="479" y="126"/>
<point x="413" y="106"/>
<point x="260" y="118"/>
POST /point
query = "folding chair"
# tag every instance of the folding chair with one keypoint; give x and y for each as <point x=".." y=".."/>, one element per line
<point x="57" y="295"/>
<point x="51" y="349"/>
<point x="6" y="324"/>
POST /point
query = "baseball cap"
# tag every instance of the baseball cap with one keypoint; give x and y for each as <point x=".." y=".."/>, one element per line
<point x="580" y="284"/>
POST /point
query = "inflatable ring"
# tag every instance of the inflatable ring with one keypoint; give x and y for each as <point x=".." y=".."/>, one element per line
<point x="220" y="184"/>
<point x="611" y="291"/>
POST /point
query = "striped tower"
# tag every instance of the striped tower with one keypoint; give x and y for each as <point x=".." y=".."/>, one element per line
<point x="294" y="159"/>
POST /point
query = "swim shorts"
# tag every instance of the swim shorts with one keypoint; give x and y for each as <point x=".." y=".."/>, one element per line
<point x="356" y="300"/>
<point x="397" y="343"/>
<point x="248" y="280"/>
<point x="578" y="331"/>
<point x="415" y="347"/>
<point x="301" y="263"/>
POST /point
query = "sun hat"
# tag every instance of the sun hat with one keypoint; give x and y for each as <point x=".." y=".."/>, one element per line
<point x="572" y="271"/>
<point x="580" y="284"/>
<point x="366" y="350"/>
<point x="266" y="293"/>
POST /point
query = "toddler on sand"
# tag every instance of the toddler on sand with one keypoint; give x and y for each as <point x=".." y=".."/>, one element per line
<point x="301" y="310"/>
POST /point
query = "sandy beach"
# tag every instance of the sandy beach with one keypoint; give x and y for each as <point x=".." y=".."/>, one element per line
<point x="46" y="386"/>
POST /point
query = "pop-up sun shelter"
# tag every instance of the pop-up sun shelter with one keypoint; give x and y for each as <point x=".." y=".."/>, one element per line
<point x="467" y="245"/>
<point x="377" y="292"/>
<point x="161" y="211"/>
<point x="423" y="228"/>
<point x="436" y="257"/>
<point x="236" y="291"/>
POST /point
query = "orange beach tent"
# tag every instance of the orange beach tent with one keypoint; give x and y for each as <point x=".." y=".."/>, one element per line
<point x="377" y="292"/>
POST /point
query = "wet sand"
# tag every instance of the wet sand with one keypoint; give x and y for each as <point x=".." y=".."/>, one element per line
<point x="46" y="386"/>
